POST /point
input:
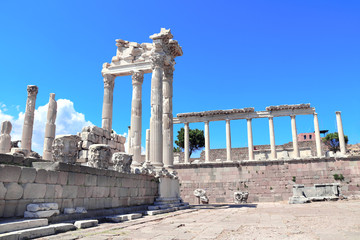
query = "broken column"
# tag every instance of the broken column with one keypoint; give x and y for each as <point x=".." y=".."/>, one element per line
<point x="5" y="138"/>
<point x="29" y="118"/>
<point x="168" y="145"/>
<point x="136" y="110"/>
<point x="341" y="135"/>
<point x="50" y="128"/>
<point x="109" y="81"/>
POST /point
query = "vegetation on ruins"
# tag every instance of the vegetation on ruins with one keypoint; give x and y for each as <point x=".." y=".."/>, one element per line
<point x="338" y="177"/>
<point x="331" y="140"/>
<point x="196" y="139"/>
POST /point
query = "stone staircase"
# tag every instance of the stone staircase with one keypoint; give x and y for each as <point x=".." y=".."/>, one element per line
<point x="165" y="205"/>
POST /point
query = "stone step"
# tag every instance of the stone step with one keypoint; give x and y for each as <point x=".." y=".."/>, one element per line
<point x="153" y="208"/>
<point x="28" y="233"/>
<point x="86" y="223"/>
<point x="160" y="211"/>
<point x="63" y="227"/>
<point x="125" y="217"/>
<point x="21" y="225"/>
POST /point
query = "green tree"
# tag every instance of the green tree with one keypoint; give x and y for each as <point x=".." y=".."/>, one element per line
<point x="196" y="139"/>
<point x="331" y="140"/>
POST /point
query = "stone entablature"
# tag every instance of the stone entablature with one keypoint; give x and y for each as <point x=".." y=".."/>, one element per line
<point x="288" y="107"/>
<point x="215" y="112"/>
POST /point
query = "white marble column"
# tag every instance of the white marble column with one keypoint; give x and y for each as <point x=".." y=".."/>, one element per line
<point x="129" y="140"/>
<point x="250" y="139"/>
<point x="207" y="142"/>
<point x="5" y="138"/>
<point x="340" y="133"/>
<point x="107" y="111"/>
<point x="228" y="141"/>
<point x="272" y="138"/>
<point x="50" y="128"/>
<point x="29" y="117"/>
<point x="168" y="132"/>
<point x="156" y="136"/>
<point x="136" y="114"/>
<point x="296" y="153"/>
<point x="317" y="135"/>
<point x="147" y="150"/>
<point x="186" y="143"/>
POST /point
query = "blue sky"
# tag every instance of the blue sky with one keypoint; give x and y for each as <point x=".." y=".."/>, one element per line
<point x="236" y="54"/>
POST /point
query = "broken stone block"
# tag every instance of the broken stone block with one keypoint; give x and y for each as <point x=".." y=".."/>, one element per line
<point x="65" y="148"/>
<point x="86" y="223"/>
<point x="41" y="214"/>
<point x="122" y="162"/>
<point x="69" y="210"/>
<point x="80" y="210"/>
<point x="99" y="156"/>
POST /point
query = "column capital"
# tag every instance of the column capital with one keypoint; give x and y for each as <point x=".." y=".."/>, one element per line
<point x="315" y="114"/>
<point x="157" y="60"/>
<point x="338" y="112"/>
<point x="292" y="116"/>
<point x="271" y="117"/>
<point x="109" y="80"/>
<point x="169" y="71"/>
<point x="32" y="90"/>
<point x="137" y="77"/>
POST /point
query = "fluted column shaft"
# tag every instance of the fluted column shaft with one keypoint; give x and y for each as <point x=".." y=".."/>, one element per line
<point x="186" y="143"/>
<point x="136" y="115"/>
<point x="50" y="128"/>
<point x="29" y="117"/>
<point x="250" y="139"/>
<point x="156" y="136"/>
<point x="107" y="111"/>
<point x="147" y="150"/>
<point x="294" y="137"/>
<point x="340" y="133"/>
<point x="272" y="138"/>
<point x="228" y="141"/>
<point x="207" y="142"/>
<point x="317" y="135"/>
<point x="129" y="141"/>
<point x="168" y="145"/>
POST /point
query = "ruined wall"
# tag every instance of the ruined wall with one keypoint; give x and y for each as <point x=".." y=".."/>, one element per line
<point x="71" y="186"/>
<point x="266" y="181"/>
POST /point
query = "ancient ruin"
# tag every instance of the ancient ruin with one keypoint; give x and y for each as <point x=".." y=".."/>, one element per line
<point x="5" y="138"/>
<point x="50" y="127"/>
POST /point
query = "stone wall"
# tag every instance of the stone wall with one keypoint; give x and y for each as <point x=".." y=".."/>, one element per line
<point x="71" y="186"/>
<point x="266" y="181"/>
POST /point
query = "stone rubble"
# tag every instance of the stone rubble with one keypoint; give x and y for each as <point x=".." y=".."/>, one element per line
<point x="241" y="197"/>
<point x="201" y="194"/>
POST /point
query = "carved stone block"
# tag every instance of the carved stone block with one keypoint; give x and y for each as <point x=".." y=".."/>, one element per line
<point x="65" y="148"/>
<point x="99" y="156"/>
<point x="122" y="162"/>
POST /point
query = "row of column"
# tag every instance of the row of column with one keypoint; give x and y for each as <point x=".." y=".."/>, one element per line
<point x="272" y="138"/>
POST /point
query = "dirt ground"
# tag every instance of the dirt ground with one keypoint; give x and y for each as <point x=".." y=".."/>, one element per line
<point x="319" y="220"/>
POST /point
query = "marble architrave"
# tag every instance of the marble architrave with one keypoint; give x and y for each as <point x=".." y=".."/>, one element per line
<point x="50" y="128"/>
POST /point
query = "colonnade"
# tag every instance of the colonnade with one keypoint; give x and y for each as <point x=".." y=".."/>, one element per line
<point x="273" y="155"/>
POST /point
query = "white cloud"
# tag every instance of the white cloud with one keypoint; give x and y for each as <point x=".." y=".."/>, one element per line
<point x="68" y="121"/>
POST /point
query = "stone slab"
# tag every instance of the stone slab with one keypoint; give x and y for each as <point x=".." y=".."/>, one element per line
<point x="29" y="233"/>
<point x="86" y="223"/>
<point x="125" y="217"/>
<point x="34" y="207"/>
<point x="21" y="225"/>
<point x="63" y="227"/>
<point x="41" y="214"/>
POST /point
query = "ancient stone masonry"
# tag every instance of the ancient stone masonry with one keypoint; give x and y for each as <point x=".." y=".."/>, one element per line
<point x="5" y="138"/>
<point x="288" y="107"/>
<point x="29" y="118"/>
<point x="121" y="162"/>
<point x="50" y="127"/>
<point x="65" y="148"/>
<point x="95" y="135"/>
<point x="99" y="156"/>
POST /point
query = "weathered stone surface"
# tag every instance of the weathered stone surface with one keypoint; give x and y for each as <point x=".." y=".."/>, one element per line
<point x="99" y="156"/>
<point x="201" y="194"/>
<point x="69" y="210"/>
<point x="2" y="191"/>
<point x="22" y="224"/>
<point x="41" y="214"/>
<point x="34" y="207"/>
<point x="9" y="173"/>
<point x="241" y="197"/>
<point x="34" y="190"/>
<point x="122" y="162"/>
<point x="5" y="138"/>
<point x="65" y="148"/>
<point x="28" y="175"/>
<point x="86" y="223"/>
<point x="14" y="191"/>
<point x="63" y="227"/>
<point x="80" y="210"/>
<point x="41" y="176"/>
<point x="36" y="232"/>
<point x="50" y="127"/>
<point x="69" y="191"/>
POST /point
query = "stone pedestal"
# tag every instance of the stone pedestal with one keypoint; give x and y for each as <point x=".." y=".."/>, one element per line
<point x="136" y="115"/>
<point x="29" y="117"/>
<point x="50" y="128"/>
<point x="296" y="153"/>
<point x="341" y="133"/>
<point x="109" y="82"/>
<point x="65" y="148"/>
<point x="207" y="142"/>
<point x="5" y="138"/>
<point x="168" y="146"/>
<point x="169" y="188"/>
<point x="156" y="136"/>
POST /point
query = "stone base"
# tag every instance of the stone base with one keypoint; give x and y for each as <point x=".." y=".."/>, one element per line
<point x="169" y="188"/>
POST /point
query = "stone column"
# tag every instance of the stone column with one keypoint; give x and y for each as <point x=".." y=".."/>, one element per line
<point x="147" y="151"/>
<point x="250" y="139"/>
<point x="168" y="132"/>
<point x="50" y="128"/>
<point x="156" y="136"/>
<point x="109" y="82"/>
<point x="129" y="140"/>
<point x="186" y="143"/>
<point x="228" y="141"/>
<point x="294" y="137"/>
<point x="29" y="117"/>
<point x="340" y="133"/>
<point x="272" y="138"/>
<point x="5" y="138"/>
<point x="207" y="142"/>
<point x="317" y="135"/>
<point x="136" y="114"/>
